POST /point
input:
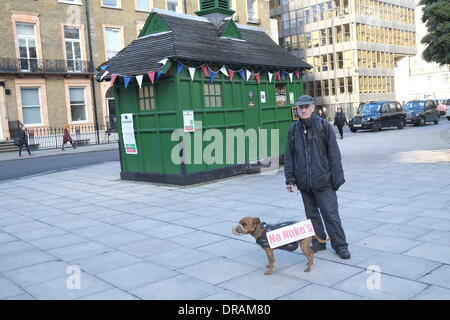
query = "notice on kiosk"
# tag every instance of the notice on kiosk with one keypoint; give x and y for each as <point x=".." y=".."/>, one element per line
<point x="294" y="232"/>
<point x="188" y="121"/>
<point x="129" y="140"/>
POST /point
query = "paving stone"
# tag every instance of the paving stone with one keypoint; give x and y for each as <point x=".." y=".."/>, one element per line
<point x="323" y="272"/>
<point x="26" y="258"/>
<point x="258" y="286"/>
<point x="391" y="288"/>
<point x="166" y="231"/>
<point x="401" y="231"/>
<point x="41" y="233"/>
<point x="8" y="289"/>
<point x="170" y="289"/>
<point x="395" y="264"/>
<point x="196" y="239"/>
<point x="6" y="238"/>
<point x="229" y="248"/>
<point x="136" y="275"/>
<point x="171" y="258"/>
<point x="387" y="243"/>
<point x="149" y="247"/>
<point x="14" y="247"/>
<point x="431" y="251"/>
<point x="111" y="294"/>
<point x="226" y="295"/>
<point x="58" y="289"/>
<point x="60" y="241"/>
<point x="433" y="293"/>
<point x="318" y="292"/>
<point x="216" y="270"/>
<point x="78" y="251"/>
<point x="361" y="224"/>
<point x="431" y="223"/>
<point x="106" y="262"/>
<point x="39" y="273"/>
<point x="439" y="277"/>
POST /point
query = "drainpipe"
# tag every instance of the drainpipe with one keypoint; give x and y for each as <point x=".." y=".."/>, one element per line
<point x="185" y="6"/>
<point x="91" y="58"/>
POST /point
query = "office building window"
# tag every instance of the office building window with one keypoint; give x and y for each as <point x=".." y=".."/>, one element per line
<point x="31" y="106"/>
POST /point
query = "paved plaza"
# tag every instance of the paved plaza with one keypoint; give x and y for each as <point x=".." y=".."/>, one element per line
<point x="133" y="240"/>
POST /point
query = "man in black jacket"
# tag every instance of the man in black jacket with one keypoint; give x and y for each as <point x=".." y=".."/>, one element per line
<point x="312" y="162"/>
<point x="340" y="120"/>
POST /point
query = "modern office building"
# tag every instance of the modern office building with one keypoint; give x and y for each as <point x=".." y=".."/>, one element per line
<point x="50" y="49"/>
<point x="354" y="46"/>
<point x="417" y="79"/>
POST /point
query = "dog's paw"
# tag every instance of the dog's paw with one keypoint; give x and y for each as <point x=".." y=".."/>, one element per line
<point x="268" y="272"/>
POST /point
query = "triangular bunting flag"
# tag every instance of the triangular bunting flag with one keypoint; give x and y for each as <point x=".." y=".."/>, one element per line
<point x="159" y="74"/>
<point x="192" y="72"/>
<point x="270" y="75"/>
<point x="297" y="73"/>
<point x="257" y="77"/>
<point x="205" y="70"/>
<point x="291" y="75"/>
<point x="231" y="73"/>
<point x="151" y="76"/>
<point x="224" y="71"/>
<point x="248" y="74"/>
<point x="104" y="67"/>
<point x="179" y="67"/>
<point x="104" y="75"/>
<point x="126" y="80"/>
<point x="211" y="75"/>
<point x="242" y="73"/>
<point x="283" y="75"/>
<point x="164" y="61"/>
<point x="113" y="78"/>
<point x="139" y="80"/>
<point x="278" y="75"/>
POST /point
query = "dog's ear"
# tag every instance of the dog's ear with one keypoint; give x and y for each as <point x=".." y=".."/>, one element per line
<point x="256" y="221"/>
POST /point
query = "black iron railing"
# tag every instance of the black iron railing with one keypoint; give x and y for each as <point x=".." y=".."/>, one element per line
<point x="52" y="138"/>
<point x="13" y="65"/>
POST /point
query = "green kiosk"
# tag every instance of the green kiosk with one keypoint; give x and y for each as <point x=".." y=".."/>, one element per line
<point x="200" y="97"/>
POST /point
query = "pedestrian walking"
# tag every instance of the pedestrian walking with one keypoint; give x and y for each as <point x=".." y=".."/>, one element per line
<point x="67" y="138"/>
<point x="22" y="138"/>
<point x="340" y="120"/>
<point x="312" y="163"/>
<point x="322" y="114"/>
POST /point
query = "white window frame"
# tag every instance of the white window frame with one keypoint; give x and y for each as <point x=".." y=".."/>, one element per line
<point x="118" y="6"/>
<point x="72" y="41"/>
<point x="85" y="105"/>
<point x="23" y="106"/>
<point x="75" y="2"/>
<point x="150" y="6"/>
<point x="179" y="5"/>
<point x="120" y="29"/>
<point x="27" y="38"/>
<point x="255" y="18"/>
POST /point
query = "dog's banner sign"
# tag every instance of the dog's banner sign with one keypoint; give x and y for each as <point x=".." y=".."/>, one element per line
<point x="294" y="232"/>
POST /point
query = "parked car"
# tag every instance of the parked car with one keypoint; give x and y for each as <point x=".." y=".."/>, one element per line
<point x="442" y="106"/>
<point x="377" y="115"/>
<point x="448" y="113"/>
<point x="419" y="112"/>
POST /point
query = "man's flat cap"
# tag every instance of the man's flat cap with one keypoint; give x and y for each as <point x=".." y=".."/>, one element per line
<point x="304" y="100"/>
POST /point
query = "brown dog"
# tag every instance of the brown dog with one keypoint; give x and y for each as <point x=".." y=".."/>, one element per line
<point x="254" y="227"/>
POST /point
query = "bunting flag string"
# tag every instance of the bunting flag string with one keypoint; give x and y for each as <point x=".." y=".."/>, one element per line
<point x="245" y="74"/>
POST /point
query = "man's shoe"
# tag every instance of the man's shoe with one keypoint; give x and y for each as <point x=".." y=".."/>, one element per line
<point x="315" y="247"/>
<point x="343" y="253"/>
